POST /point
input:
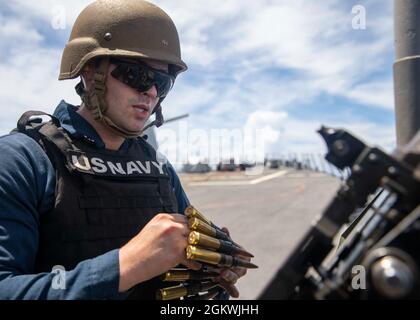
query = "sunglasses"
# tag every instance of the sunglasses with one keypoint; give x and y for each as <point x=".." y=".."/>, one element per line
<point x="142" y="77"/>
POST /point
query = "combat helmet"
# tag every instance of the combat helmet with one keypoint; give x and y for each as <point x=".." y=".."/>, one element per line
<point x="105" y="29"/>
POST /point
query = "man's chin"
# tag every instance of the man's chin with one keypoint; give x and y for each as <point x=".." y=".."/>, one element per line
<point x="136" y="123"/>
<point x="133" y="128"/>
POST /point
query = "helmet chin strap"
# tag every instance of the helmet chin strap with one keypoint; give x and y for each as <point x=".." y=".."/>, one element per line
<point x="159" y="120"/>
<point x="95" y="101"/>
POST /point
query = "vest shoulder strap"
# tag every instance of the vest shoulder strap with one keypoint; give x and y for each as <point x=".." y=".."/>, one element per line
<point x="51" y="130"/>
<point x="25" y="120"/>
<point x="49" y="135"/>
<point x="29" y="126"/>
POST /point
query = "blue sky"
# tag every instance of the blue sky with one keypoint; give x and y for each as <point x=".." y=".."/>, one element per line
<point x="286" y="66"/>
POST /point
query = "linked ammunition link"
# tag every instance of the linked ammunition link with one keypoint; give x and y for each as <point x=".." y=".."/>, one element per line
<point x="185" y="289"/>
<point x="210" y="244"/>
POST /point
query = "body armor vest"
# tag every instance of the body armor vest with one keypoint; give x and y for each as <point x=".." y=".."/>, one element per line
<point x="103" y="198"/>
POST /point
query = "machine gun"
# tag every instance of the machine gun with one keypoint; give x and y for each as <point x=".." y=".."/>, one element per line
<point x="381" y="244"/>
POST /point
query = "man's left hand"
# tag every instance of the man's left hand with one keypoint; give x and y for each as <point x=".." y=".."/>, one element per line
<point x="229" y="276"/>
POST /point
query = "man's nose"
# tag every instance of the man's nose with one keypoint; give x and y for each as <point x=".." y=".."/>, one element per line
<point x="152" y="92"/>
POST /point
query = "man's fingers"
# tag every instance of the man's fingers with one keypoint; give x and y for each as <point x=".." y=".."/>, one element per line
<point x="226" y="231"/>
<point x="185" y="231"/>
<point x="214" y="269"/>
<point x="230" y="288"/>
<point x="179" y="218"/>
<point x="181" y="221"/>
<point x="229" y="276"/>
<point x="239" y="271"/>
<point x="191" y="264"/>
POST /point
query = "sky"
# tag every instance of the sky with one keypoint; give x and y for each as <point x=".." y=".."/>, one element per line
<point x="270" y="70"/>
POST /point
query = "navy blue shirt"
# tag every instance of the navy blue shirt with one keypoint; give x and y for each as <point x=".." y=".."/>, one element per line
<point x="27" y="185"/>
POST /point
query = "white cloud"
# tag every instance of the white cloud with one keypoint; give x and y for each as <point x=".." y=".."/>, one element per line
<point x="29" y="82"/>
<point x="283" y="136"/>
<point x="187" y="98"/>
<point x="270" y="122"/>
<point x="29" y="73"/>
<point x="316" y="39"/>
<point x="12" y="29"/>
<point x="300" y="136"/>
<point x="379" y="93"/>
<point x="233" y="50"/>
<point x="47" y="9"/>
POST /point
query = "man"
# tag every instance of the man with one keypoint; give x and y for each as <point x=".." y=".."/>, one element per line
<point x="84" y="191"/>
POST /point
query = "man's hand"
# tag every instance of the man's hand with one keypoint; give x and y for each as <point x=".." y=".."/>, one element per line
<point x="159" y="247"/>
<point x="229" y="276"/>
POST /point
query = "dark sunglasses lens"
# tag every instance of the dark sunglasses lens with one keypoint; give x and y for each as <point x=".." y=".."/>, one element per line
<point x="142" y="78"/>
<point x="164" y="84"/>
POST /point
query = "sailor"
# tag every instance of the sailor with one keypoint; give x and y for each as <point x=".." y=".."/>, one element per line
<point x="85" y="192"/>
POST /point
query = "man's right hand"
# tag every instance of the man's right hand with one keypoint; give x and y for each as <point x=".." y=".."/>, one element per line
<point x="158" y="247"/>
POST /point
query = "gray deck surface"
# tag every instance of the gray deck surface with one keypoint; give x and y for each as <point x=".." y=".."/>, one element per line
<point x="267" y="218"/>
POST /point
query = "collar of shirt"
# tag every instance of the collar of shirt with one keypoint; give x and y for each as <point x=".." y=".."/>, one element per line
<point x="79" y="128"/>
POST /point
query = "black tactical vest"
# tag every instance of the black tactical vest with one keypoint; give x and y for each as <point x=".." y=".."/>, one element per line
<point x="103" y="198"/>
